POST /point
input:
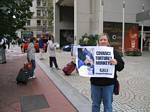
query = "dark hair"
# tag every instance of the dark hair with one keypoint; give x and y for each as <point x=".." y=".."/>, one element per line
<point x="32" y="40"/>
<point x="51" y="37"/>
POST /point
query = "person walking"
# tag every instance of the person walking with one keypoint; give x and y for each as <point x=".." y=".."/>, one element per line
<point x="101" y="87"/>
<point x="51" y="50"/>
<point x="31" y="57"/>
<point x="2" y="50"/>
<point x="41" y="47"/>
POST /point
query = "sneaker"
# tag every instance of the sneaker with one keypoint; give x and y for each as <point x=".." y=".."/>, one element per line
<point x="30" y="78"/>
<point x="58" y="68"/>
<point x="51" y="68"/>
<point x="33" y="77"/>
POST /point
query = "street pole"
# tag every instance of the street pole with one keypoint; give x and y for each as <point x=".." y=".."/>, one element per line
<point x="142" y="37"/>
<point x="101" y="16"/>
<point x="75" y="23"/>
<point x="123" y="27"/>
<point x="142" y="30"/>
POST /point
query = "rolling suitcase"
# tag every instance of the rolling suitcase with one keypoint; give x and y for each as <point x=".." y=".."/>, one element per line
<point x="69" y="68"/>
<point x="22" y="76"/>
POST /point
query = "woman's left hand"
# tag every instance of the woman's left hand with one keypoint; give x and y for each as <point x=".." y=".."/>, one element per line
<point x="113" y="61"/>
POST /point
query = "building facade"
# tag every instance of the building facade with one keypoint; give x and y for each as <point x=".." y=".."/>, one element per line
<point x="74" y="18"/>
<point x="39" y="23"/>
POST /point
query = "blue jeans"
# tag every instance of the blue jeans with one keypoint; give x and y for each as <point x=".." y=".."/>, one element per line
<point x="33" y="67"/>
<point x="102" y="93"/>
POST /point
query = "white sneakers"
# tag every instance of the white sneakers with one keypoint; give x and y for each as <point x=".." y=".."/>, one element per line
<point x="33" y="77"/>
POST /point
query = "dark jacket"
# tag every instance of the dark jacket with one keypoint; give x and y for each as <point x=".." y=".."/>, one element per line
<point x="109" y="81"/>
<point x="41" y="43"/>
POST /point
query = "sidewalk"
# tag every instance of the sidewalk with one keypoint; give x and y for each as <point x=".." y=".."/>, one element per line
<point x="41" y="93"/>
<point x="72" y="93"/>
<point x="134" y="82"/>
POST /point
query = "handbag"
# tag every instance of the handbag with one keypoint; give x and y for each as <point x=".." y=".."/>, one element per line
<point x="116" y="87"/>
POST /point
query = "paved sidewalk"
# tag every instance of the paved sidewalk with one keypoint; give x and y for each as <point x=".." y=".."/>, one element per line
<point x="39" y="95"/>
<point x="58" y="88"/>
<point x="134" y="80"/>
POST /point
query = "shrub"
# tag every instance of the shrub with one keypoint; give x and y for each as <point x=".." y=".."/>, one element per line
<point x="133" y="52"/>
<point x="88" y="40"/>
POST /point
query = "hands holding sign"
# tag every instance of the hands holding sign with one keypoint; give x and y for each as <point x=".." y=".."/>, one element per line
<point x="113" y="61"/>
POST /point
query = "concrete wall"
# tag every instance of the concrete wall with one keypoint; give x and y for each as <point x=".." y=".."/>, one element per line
<point x="56" y="23"/>
<point x="146" y="7"/>
<point x="96" y="19"/>
<point x="113" y="10"/>
<point x="82" y="18"/>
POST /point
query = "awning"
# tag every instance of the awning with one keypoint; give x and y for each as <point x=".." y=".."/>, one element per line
<point x="65" y="2"/>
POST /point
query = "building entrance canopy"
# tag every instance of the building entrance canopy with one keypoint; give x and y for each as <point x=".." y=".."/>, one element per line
<point x="65" y="2"/>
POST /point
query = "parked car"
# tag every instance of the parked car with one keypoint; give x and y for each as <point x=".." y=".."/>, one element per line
<point x="71" y="48"/>
<point x="67" y="47"/>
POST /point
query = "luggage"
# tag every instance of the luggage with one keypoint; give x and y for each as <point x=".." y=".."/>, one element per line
<point x="69" y="68"/>
<point x="23" y="76"/>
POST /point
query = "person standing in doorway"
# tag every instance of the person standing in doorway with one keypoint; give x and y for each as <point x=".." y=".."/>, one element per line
<point x="51" y="50"/>
<point x="101" y="87"/>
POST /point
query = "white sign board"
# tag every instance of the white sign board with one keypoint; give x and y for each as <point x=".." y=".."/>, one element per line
<point x="93" y="61"/>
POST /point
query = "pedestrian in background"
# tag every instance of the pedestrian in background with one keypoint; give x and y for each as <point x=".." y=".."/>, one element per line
<point x="2" y="50"/>
<point x="41" y="47"/>
<point x="13" y="42"/>
<point x="101" y="87"/>
<point x="51" y="50"/>
<point x="31" y="57"/>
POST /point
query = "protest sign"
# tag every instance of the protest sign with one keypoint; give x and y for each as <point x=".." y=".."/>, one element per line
<point x="93" y="61"/>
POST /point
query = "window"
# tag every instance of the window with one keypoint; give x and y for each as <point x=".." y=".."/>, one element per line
<point x="28" y="23"/>
<point x="44" y="13"/>
<point x="38" y="2"/>
<point x="38" y="13"/>
<point x="44" y="3"/>
<point x="44" y="22"/>
<point x="38" y="22"/>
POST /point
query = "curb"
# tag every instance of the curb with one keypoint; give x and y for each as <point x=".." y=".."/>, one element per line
<point x="80" y="102"/>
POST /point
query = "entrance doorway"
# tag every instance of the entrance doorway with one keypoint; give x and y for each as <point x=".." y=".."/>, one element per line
<point x="146" y="43"/>
<point x="66" y="37"/>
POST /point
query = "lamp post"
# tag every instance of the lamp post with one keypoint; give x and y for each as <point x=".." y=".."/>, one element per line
<point x="101" y="16"/>
<point x="75" y="22"/>
<point x="142" y="31"/>
<point x="123" y="26"/>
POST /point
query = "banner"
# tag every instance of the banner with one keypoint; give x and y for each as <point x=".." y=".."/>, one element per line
<point x="93" y="61"/>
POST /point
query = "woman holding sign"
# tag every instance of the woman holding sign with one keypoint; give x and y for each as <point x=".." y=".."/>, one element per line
<point x="102" y="87"/>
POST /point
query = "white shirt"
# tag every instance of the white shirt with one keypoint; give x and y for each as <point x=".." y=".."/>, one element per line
<point x="51" y="49"/>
